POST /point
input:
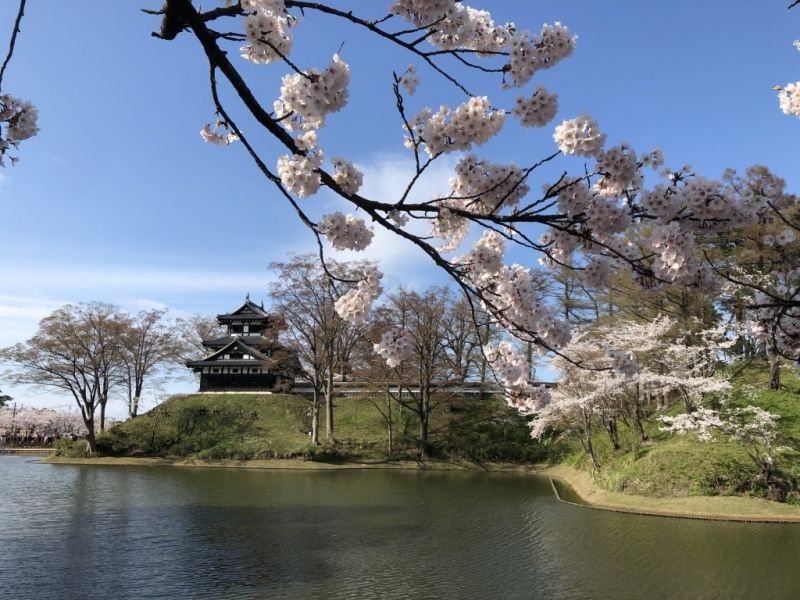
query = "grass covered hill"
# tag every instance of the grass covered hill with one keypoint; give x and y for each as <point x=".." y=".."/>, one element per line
<point x="681" y="465"/>
<point x="263" y="426"/>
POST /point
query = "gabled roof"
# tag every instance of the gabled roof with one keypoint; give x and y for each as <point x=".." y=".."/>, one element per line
<point x="248" y="310"/>
<point x="216" y="357"/>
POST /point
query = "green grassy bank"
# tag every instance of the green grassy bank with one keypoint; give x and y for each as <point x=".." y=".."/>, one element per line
<point x="261" y="426"/>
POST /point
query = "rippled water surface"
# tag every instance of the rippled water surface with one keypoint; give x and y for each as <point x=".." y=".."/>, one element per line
<point x="72" y="532"/>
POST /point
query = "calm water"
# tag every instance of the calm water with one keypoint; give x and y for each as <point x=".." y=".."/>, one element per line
<point x="70" y="532"/>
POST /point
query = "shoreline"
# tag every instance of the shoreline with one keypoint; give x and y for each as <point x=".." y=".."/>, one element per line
<point x="581" y="491"/>
<point x="711" y="508"/>
<point x="293" y="464"/>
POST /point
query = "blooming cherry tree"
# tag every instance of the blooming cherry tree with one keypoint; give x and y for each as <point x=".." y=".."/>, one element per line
<point x="585" y="219"/>
<point x="754" y="428"/>
<point x="632" y="362"/>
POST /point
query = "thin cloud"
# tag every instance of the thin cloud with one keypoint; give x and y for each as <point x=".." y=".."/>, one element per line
<point x="385" y="178"/>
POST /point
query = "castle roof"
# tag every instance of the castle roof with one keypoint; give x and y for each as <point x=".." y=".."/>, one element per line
<point x="218" y="358"/>
<point x="249" y="311"/>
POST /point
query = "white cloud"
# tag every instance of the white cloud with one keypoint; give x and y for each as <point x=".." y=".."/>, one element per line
<point x="385" y="179"/>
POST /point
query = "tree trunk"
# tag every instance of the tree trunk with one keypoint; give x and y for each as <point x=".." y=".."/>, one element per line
<point x="133" y="408"/>
<point x="774" y="367"/>
<point x="90" y="438"/>
<point x="315" y="418"/>
<point x="329" y="409"/>
<point x="586" y="441"/>
<point x="424" y="446"/>
<point x="611" y="428"/>
<point x="102" y="416"/>
<point x="389" y="421"/>
<point x="637" y="421"/>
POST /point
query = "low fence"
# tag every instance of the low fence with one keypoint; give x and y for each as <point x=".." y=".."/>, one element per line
<point x="27" y="451"/>
<point x="468" y="389"/>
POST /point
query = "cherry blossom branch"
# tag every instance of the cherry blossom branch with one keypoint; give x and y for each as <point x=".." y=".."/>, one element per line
<point x="349" y="16"/>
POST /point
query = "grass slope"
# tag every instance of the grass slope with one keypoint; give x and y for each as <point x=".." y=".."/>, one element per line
<point x="259" y="426"/>
<point x="674" y="465"/>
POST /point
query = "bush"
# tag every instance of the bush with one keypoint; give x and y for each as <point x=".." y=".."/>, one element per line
<point x="71" y="448"/>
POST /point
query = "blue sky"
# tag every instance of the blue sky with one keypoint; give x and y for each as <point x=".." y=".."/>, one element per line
<point x="117" y="199"/>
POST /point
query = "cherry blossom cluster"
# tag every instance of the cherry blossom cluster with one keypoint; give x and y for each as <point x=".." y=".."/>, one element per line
<point x="620" y="170"/>
<point x="624" y="362"/>
<point x="606" y="216"/>
<point x="467" y="28"/>
<point x="789" y="98"/>
<point x="268" y="29"/>
<point x="410" y="80"/>
<point x="703" y="422"/>
<point x="345" y="232"/>
<point x="785" y="237"/>
<point x="299" y="173"/>
<point x="355" y="305"/>
<point x="521" y="309"/>
<point x="530" y="54"/>
<point x="307" y="98"/>
<point x="450" y="226"/>
<point x="485" y="259"/>
<point x="347" y="176"/>
<point x="44" y="421"/>
<point x="447" y="130"/>
<point x="454" y="25"/>
<point x="580" y="136"/>
<point x="423" y="13"/>
<point x="400" y="218"/>
<point x="538" y="109"/>
<point x="574" y="197"/>
<point x="220" y="136"/>
<point x="675" y="259"/>
<point x="560" y="245"/>
<point x="513" y="372"/>
<point x="17" y="123"/>
<point x="485" y="187"/>
<point x="395" y="346"/>
<point x="595" y="272"/>
<point x="754" y="427"/>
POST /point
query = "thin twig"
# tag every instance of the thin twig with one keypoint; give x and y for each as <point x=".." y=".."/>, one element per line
<point x="13" y="41"/>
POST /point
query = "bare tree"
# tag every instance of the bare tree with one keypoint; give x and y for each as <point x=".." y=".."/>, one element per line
<point x="304" y="296"/>
<point x="190" y="334"/>
<point x="77" y="349"/>
<point x="426" y="372"/>
<point x="148" y="345"/>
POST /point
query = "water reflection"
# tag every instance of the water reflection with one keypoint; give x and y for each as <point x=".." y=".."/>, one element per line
<point x="92" y="532"/>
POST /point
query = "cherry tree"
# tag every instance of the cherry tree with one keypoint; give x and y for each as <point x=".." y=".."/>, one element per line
<point x="633" y="363"/>
<point x="754" y="428"/>
<point x="30" y="423"/>
<point x="587" y="217"/>
<point x="606" y="196"/>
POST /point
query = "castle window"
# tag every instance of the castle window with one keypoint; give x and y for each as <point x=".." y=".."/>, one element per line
<point x="215" y="369"/>
<point x="254" y="370"/>
<point x="234" y="370"/>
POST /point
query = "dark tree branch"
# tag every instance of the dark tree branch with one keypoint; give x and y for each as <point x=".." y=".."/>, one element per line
<point x="13" y="41"/>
